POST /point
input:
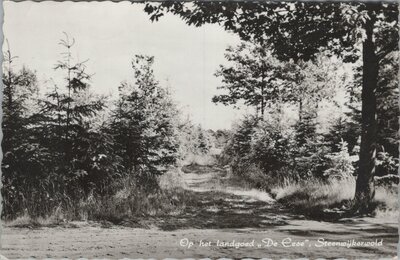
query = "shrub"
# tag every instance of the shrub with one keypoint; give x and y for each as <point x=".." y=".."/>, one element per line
<point x="310" y="158"/>
<point x="386" y="164"/>
<point x="271" y="148"/>
<point x="340" y="163"/>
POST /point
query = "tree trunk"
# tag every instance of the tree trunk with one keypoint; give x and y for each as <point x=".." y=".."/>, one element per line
<point x="300" y="110"/>
<point x="365" y="189"/>
<point x="263" y="83"/>
<point x="262" y="101"/>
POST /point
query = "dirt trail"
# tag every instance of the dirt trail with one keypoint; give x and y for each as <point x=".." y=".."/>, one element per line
<point x="227" y="215"/>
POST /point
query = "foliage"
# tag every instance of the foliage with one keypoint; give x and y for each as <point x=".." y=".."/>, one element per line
<point x="271" y="148"/>
<point x="64" y="118"/>
<point x="311" y="160"/>
<point x="340" y="163"/>
<point x="259" y="79"/>
<point x="67" y="151"/>
<point x="387" y="164"/>
<point x="295" y="30"/>
<point x="195" y="143"/>
<point x="252" y="77"/>
<point x="387" y="105"/>
<point x="18" y="155"/>
<point x="56" y="154"/>
<point x="343" y="128"/>
<point x="238" y="148"/>
<point x="142" y="124"/>
<point x="299" y="31"/>
<point x="203" y="142"/>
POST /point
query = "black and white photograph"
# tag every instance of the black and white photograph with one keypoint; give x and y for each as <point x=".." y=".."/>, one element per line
<point x="200" y="129"/>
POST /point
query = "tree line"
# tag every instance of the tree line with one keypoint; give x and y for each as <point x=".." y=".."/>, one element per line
<point x="307" y="117"/>
<point x="67" y="143"/>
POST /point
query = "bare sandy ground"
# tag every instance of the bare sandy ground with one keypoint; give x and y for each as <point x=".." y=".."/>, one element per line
<point x="212" y="227"/>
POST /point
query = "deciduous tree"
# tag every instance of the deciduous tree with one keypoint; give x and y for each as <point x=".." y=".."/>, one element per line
<point x="298" y="31"/>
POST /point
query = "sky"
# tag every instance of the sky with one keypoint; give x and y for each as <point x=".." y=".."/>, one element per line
<point x="109" y="35"/>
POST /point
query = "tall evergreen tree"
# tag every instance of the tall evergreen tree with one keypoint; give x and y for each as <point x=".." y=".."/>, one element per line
<point x="19" y="153"/>
<point x="65" y="114"/>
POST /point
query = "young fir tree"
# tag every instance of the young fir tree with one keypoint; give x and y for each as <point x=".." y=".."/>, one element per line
<point x="65" y="117"/>
<point x="143" y="125"/>
<point x="20" y="152"/>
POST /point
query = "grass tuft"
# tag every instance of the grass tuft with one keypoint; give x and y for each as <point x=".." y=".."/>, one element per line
<point x="127" y="205"/>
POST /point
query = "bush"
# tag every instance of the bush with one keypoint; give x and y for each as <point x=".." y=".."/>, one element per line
<point x="386" y="164"/>
<point x="271" y="148"/>
<point x="259" y="147"/>
<point x="340" y="163"/>
<point x="311" y="158"/>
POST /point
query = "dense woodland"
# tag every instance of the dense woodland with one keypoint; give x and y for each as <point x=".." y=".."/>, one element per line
<point x="309" y="84"/>
<point x="65" y="143"/>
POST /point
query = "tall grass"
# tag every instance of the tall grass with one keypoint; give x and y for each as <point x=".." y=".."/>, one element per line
<point x="132" y="202"/>
<point x="320" y="198"/>
<point x="387" y="200"/>
<point x="128" y="202"/>
<point x="316" y="197"/>
<point x="315" y="192"/>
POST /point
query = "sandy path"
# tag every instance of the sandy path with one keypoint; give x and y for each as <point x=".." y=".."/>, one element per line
<point x="227" y="215"/>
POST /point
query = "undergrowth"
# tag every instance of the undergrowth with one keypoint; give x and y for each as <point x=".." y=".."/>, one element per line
<point x="317" y="198"/>
<point x="129" y="202"/>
